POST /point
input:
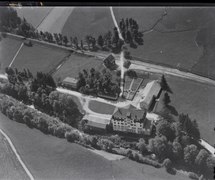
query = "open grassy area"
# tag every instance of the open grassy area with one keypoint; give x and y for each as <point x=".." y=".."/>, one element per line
<point x="75" y="64"/>
<point x="33" y="15"/>
<point x="48" y="157"/>
<point x="88" y="21"/>
<point x="175" y="39"/>
<point x="39" y="57"/>
<point x="10" y="167"/>
<point x="100" y="107"/>
<point x="198" y="100"/>
<point x="8" y="48"/>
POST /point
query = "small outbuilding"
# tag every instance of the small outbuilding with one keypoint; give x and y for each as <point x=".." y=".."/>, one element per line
<point x="70" y="83"/>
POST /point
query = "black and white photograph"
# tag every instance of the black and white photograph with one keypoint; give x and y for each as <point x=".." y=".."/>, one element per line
<point x="107" y="92"/>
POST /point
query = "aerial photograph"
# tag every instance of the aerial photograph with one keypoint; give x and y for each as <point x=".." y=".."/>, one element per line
<point x="107" y="92"/>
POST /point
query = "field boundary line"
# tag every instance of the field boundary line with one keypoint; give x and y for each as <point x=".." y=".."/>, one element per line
<point x="17" y="155"/>
<point x="16" y="55"/>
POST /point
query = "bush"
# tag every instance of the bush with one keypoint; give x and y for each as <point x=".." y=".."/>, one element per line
<point x="193" y="175"/>
<point x="61" y="130"/>
<point x="72" y="136"/>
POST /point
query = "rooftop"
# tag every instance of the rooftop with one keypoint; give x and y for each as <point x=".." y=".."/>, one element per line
<point x="131" y="111"/>
<point x="70" y="80"/>
<point x="152" y="89"/>
<point x="96" y="121"/>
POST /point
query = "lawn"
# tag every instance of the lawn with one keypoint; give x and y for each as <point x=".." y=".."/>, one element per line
<point x="10" y="167"/>
<point x="100" y="107"/>
<point x="39" y="57"/>
<point x="88" y="21"/>
<point x="75" y="64"/>
<point x="8" y="48"/>
<point x="33" y="15"/>
<point x="48" y="157"/>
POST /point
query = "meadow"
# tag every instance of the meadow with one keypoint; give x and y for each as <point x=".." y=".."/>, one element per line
<point x="48" y="157"/>
<point x="88" y="21"/>
<point x="39" y="57"/>
<point x="33" y="15"/>
<point x="75" y="64"/>
<point x="8" y="49"/>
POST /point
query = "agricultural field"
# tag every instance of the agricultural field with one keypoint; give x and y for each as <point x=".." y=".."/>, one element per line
<point x="34" y="15"/>
<point x="75" y="64"/>
<point x="181" y="37"/>
<point x="10" y="167"/>
<point x="100" y="107"/>
<point x="88" y="21"/>
<point x="48" y="157"/>
<point x="8" y="48"/>
<point x="39" y="57"/>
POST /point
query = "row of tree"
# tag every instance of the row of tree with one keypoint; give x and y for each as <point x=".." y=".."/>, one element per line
<point x="130" y="32"/>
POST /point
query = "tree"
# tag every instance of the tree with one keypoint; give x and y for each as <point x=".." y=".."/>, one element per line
<point x="190" y="153"/>
<point x="166" y="99"/>
<point x="142" y="147"/>
<point x="164" y="128"/>
<point x="210" y="162"/>
<point x="177" y="151"/>
<point x="164" y="84"/>
<point x="65" y="40"/>
<point x="201" y="159"/>
<point x="159" y="146"/>
<point x="100" y="41"/>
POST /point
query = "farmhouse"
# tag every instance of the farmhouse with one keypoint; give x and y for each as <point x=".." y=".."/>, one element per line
<point x="131" y="120"/>
<point x="70" y="82"/>
<point x="109" y="62"/>
<point x="149" y="94"/>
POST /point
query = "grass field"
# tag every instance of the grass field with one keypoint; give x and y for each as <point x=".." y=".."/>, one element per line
<point x="10" y="167"/>
<point x="146" y="17"/>
<point x="88" y="21"/>
<point x="8" y="48"/>
<point x="39" y="58"/>
<point x="49" y="157"/>
<point x="100" y="107"/>
<point x="176" y="42"/>
<point x="198" y="100"/>
<point x="75" y="64"/>
<point x="33" y="15"/>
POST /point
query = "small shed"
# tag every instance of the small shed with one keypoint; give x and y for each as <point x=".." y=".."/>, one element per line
<point x="70" y="83"/>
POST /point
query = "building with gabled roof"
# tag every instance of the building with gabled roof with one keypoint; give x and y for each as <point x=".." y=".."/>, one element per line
<point x="70" y="82"/>
<point x="149" y="94"/>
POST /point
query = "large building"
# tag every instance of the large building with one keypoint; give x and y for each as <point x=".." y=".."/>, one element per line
<point x="70" y="83"/>
<point x="96" y="123"/>
<point x="149" y="94"/>
<point x="131" y="120"/>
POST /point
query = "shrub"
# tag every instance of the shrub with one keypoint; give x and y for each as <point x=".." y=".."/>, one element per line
<point x="61" y="130"/>
<point x="72" y="136"/>
<point x="105" y="144"/>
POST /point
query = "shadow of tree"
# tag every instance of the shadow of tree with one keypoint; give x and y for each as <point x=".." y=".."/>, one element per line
<point x="172" y="110"/>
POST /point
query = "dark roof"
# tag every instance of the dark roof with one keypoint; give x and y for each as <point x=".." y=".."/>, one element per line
<point x="132" y="111"/>
<point x="109" y="57"/>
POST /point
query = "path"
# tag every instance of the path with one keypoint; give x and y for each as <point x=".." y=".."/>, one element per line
<point x="17" y="155"/>
<point x="115" y="23"/>
<point x="17" y="52"/>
